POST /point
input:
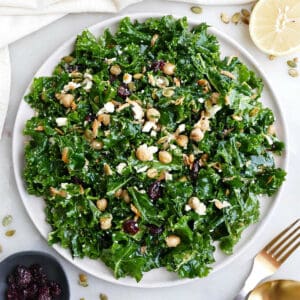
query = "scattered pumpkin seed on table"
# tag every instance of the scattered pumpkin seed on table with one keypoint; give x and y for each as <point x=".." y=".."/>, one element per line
<point x="7" y="220"/>
<point x="83" y="280"/>
<point x="293" y="73"/>
<point x="292" y="63"/>
<point x="245" y="12"/>
<point x="196" y="9"/>
<point x="236" y="18"/>
<point x="103" y="297"/>
<point x="10" y="233"/>
<point x="225" y="18"/>
<point x="272" y="57"/>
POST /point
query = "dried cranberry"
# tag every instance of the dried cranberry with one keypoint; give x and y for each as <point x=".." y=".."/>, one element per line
<point x="76" y="180"/>
<point x="155" y="230"/>
<point x="157" y="65"/>
<point x="23" y="276"/>
<point x="55" y="288"/>
<point x="44" y="293"/>
<point x="123" y="92"/>
<point x="12" y="294"/>
<point x="155" y="190"/>
<point x="38" y="273"/>
<point x="32" y="290"/>
<point x="90" y="117"/>
<point x="112" y="78"/>
<point x="131" y="227"/>
<point x="195" y="170"/>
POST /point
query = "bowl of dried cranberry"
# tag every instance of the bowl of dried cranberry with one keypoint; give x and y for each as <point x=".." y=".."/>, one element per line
<point x="33" y="275"/>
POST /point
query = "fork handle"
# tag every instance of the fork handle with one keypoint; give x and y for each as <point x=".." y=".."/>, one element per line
<point x="242" y="295"/>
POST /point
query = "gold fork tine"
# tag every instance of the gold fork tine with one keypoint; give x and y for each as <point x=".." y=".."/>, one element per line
<point x="283" y="259"/>
<point x="268" y="247"/>
<point x="279" y="253"/>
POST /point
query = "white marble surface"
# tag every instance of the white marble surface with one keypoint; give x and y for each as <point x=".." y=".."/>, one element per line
<point x="29" y="53"/>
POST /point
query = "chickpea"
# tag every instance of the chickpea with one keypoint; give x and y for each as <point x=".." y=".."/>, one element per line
<point x="105" y="222"/>
<point x="168" y="68"/>
<point x="142" y="153"/>
<point x="104" y="119"/>
<point x="196" y="135"/>
<point x="125" y="196"/>
<point x="97" y="145"/>
<point x="153" y="114"/>
<point x="107" y="169"/>
<point x="164" y="157"/>
<point x="173" y="241"/>
<point x="152" y="173"/>
<point x="115" y="70"/>
<point x="182" y="140"/>
<point x="102" y="204"/>
<point x="66" y="100"/>
<point x="197" y="206"/>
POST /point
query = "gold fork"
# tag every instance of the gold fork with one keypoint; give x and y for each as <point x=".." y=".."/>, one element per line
<point x="271" y="257"/>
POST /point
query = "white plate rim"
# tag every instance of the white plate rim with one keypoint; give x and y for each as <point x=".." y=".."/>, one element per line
<point x="218" y="2"/>
<point x="66" y="255"/>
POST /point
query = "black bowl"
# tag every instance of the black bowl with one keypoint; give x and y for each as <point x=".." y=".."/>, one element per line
<point x="51" y="267"/>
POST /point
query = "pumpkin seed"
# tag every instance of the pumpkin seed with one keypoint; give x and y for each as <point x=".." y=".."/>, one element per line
<point x="83" y="280"/>
<point x="236" y="18"/>
<point x="7" y="220"/>
<point x="225" y="18"/>
<point x="245" y="20"/>
<point x="168" y="92"/>
<point x="272" y="57"/>
<point x="10" y="233"/>
<point x="196" y="9"/>
<point x="245" y="12"/>
<point x="293" y="72"/>
<point x="68" y="59"/>
<point x="291" y="64"/>
<point x="103" y="297"/>
<point x="161" y="81"/>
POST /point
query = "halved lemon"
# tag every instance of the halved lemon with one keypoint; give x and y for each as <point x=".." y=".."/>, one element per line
<point x="275" y="26"/>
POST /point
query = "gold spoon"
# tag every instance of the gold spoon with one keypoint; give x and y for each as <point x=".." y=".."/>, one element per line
<point x="276" y="290"/>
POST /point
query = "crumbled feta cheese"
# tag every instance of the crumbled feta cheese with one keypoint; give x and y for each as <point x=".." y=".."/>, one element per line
<point x="109" y="107"/>
<point x="153" y="133"/>
<point x="88" y="76"/>
<point x="127" y="78"/>
<point x="201" y="209"/>
<point x="187" y="207"/>
<point x="269" y="139"/>
<point x="137" y="110"/>
<point x="109" y="61"/>
<point x="61" y="122"/>
<point x="120" y="167"/>
<point x="153" y="149"/>
<point x="71" y="86"/>
<point x="119" y="51"/>
<point x="173" y="147"/>
<point x="148" y="126"/>
<point x="64" y="185"/>
<point x="219" y="204"/>
<point x="168" y="176"/>
<point x="201" y="100"/>
<point x="141" y="169"/>
<point x="181" y="128"/>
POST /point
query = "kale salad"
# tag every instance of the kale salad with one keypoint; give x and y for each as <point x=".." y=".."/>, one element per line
<point x="150" y="149"/>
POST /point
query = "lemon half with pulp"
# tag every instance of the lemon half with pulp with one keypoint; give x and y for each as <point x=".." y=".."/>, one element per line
<point x="275" y="26"/>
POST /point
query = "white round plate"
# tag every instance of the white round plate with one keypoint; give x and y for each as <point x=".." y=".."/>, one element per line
<point x="35" y="206"/>
<point x="218" y="2"/>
